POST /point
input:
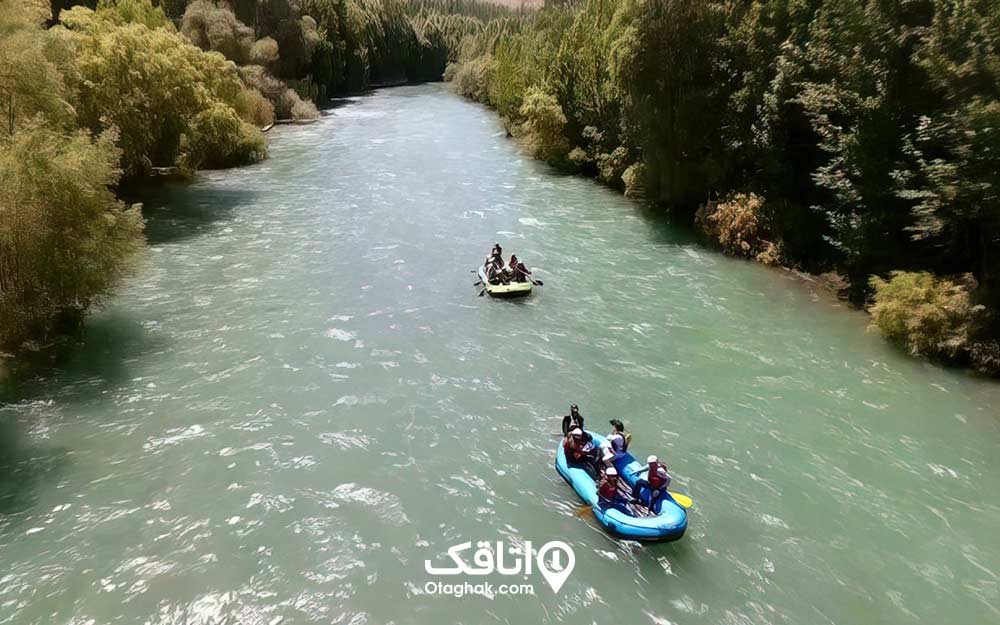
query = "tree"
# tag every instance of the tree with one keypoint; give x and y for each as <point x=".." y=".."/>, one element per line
<point x="30" y="81"/>
<point x="667" y="65"/>
<point x="65" y="240"/>
<point x="213" y="27"/>
<point x="150" y="84"/>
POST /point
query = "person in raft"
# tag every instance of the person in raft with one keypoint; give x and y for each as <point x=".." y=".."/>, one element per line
<point x="657" y="480"/>
<point x="582" y="453"/>
<point x="618" y="439"/>
<point x="495" y="274"/>
<point x="573" y="420"/>
<point x="517" y="270"/>
<point x="496" y="257"/>
<point x="607" y="491"/>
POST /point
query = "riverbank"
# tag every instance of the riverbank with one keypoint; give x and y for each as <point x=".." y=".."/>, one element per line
<point x="769" y="131"/>
<point x="130" y="91"/>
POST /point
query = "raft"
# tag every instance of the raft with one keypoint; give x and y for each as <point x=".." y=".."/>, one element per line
<point x="514" y="289"/>
<point x="639" y="523"/>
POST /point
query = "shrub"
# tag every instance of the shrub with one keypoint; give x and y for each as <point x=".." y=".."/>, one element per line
<point x="472" y="78"/>
<point x="254" y="107"/>
<point x="543" y="131"/>
<point x="985" y="356"/>
<point x="219" y="138"/>
<point x="301" y="109"/>
<point x="741" y="228"/>
<point x="65" y="240"/>
<point x="265" y="53"/>
<point x="286" y="102"/>
<point x="634" y="179"/>
<point x="611" y="166"/>
<point x="213" y="27"/>
<point x="924" y="314"/>
<point x="122" y="12"/>
<point x="148" y="83"/>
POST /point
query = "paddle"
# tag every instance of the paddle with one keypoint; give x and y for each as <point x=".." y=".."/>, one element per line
<point x="682" y="500"/>
<point x="483" y="292"/>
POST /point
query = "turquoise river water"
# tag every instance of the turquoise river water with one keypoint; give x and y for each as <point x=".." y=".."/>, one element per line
<point x="299" y="398"/>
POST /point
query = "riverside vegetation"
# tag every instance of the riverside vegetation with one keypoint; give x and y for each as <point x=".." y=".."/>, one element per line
<point x="116" y="90"/>
<point x="861" y="136"/>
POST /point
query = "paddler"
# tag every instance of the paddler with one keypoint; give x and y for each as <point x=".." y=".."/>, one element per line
<point x="517" y="269"/>
<point x="581" y="452"/>
<point x="494" y="275"/>
<point x="657" y="480"/>
<point x="618" y="439"/>
<point x="607" y="491"/>
<point x="573" y="420"/>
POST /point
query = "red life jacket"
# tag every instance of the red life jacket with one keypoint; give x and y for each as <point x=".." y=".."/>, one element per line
<point x="572" y="452"/>
<point x="577" y="452"/>
<point x="656" y="481"/>
<point x="608" y="487"/>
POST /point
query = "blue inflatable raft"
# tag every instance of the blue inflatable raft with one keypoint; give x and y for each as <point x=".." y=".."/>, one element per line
<point x="666" y="522"/>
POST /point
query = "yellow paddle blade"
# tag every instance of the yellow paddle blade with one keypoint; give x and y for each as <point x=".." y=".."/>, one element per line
<point x="682" y="500"/>
<point x="583" y="510"/>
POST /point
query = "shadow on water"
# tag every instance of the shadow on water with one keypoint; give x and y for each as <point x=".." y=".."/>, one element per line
<point x="85" y="365"/>
<point x="24" y="466"/>
<point x="85" y="368"/>
<point x="665" y="229"/>
<point x="181" y="211"/>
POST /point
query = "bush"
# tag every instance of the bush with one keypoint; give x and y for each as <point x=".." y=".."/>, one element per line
<point x="65" y="240"/>
<point x="122" y="12"/>
<point x="265" y="53"/>
<point x="287" y="104"/>
<point x="213" y="27"/>
<point x="301" y="110"/>
<point x="740" y="227"/>
<point x="472" y="78"/>
<point x="611" y="166"/>
<point x="149" y="84"/>
<point x="254" y="107"/>
<point x="543" y="131"/>
<point x="634" y="180"/>
<point x="924" y="314"/>
<point x="219" y="138"/>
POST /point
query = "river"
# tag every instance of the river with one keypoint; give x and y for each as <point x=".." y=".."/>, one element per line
<point x="299" y="398"/>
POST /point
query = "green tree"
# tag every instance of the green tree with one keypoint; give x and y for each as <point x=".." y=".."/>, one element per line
<point x="669" y="67"/>
<point x="150" y="84"/>
<point x="65" y="240"/>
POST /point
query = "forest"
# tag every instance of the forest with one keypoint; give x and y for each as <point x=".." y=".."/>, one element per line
<point x="854" y="138"/>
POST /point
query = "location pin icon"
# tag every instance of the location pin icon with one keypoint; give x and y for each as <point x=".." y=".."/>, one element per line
<point x="556" y="577"/>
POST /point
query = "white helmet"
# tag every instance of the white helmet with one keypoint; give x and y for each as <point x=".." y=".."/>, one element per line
<point x="611" y="471"/>
<point x="652" y="459"/>
<point x="576" y="432"/>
